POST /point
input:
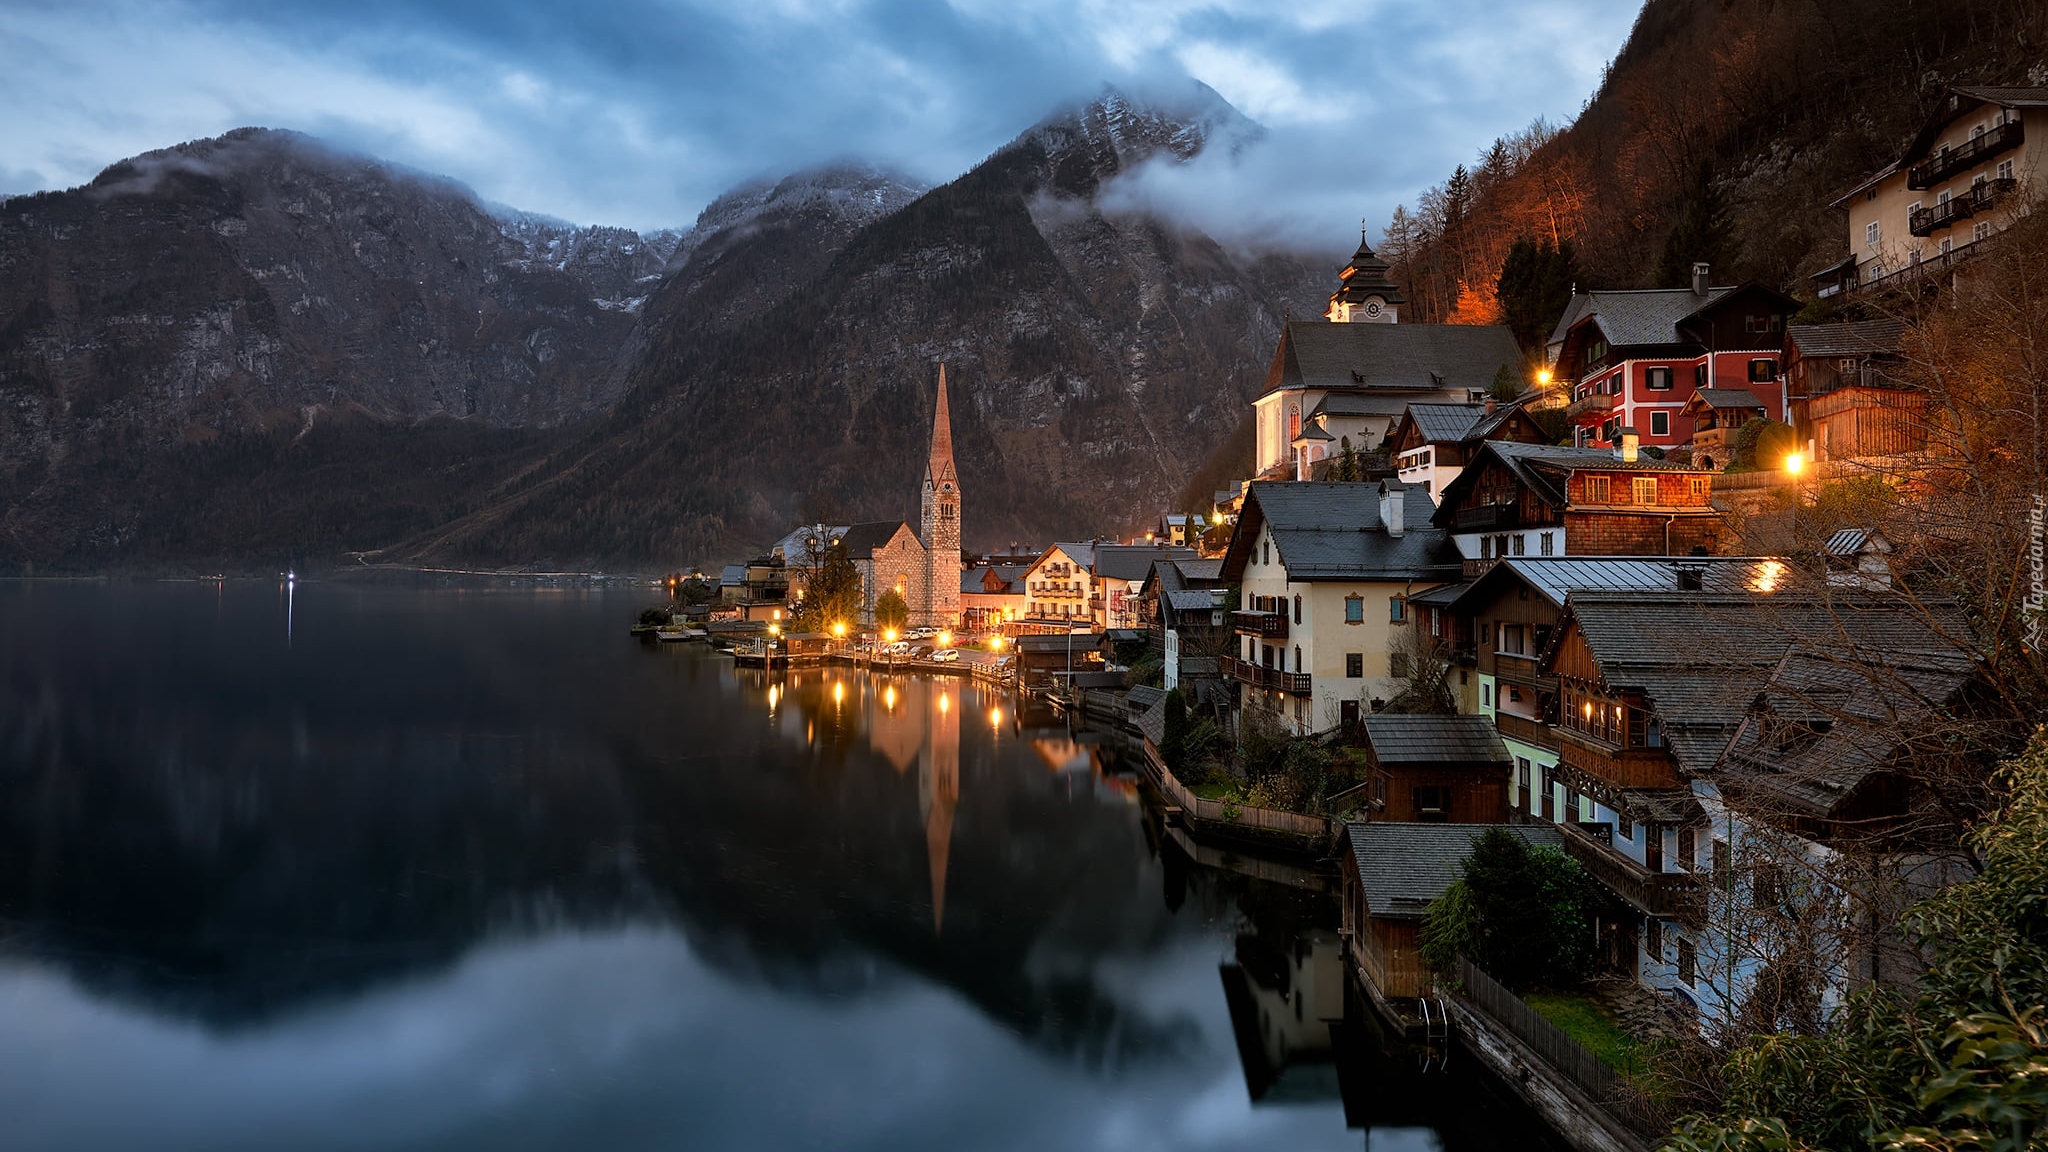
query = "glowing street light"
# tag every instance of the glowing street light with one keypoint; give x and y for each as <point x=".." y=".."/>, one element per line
<point x="839" y="630"/>
<point x="889" y="635"/>
<point x="1543" y="376"/>
<point x="995" y="642"/>
<point x="1794" y="463"/>
<point x="945" y="639"/>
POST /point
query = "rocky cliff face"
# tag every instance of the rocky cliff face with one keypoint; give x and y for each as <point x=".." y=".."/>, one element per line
<point x="1096" y="358"/>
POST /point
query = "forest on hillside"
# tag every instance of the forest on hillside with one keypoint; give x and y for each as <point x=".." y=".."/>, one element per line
<point x="1721" y="132"/>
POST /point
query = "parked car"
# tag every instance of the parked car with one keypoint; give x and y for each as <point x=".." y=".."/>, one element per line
<point x="946" y="655"/>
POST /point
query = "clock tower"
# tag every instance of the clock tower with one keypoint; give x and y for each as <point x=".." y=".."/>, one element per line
<point x="1367" y="295"/>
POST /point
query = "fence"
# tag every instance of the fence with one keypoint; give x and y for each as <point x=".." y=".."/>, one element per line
<point x="1566" y="1056"/>
<point x="1218" y="811"/>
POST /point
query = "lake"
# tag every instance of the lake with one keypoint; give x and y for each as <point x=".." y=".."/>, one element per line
<point x="344" y="866"/>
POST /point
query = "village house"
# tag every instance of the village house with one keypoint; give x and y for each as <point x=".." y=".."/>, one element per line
<point x="1634" y="358"/>
<point x="1391" y="872"/>
<point x="1059" y="589"/>
<point x="1325" y="570"/>
<point x="1963" y="178"/>
<point x="1120" y="570"/>
<point x="1435" y="769"/>
<point x="1545" y="500"/>
<point x="1653" y="806"/>
<point x="1848" y="399"/>
<point x="1189" y="598"/>
<point x="1716" y="415"/>
<point x="1432" y="443"/>
<point x="992" y="595"/>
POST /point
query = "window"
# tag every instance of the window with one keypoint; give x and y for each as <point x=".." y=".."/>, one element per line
<point x="1486" y="695"/>
<point x="1433" y="803"/>
<point x="1660" y="423"/>
<point x="1297" y="658"/>
<point x="1947" y="245"/>
<point x="1724" y="867"/>
<point x="1521" y="780"/>
<point x="1657" y="379"/>
<point x="1644" y="488"/>
<point x="1698" y="486"/>
<point x="1486" y="547"/>
<point x="1765" y="885"/>
<point x="1354" y="609"/>
<point x="1397" y="664"/>
<point x="1572" y="810"/>
<point x="1623" y="826"/>
<point x="1294" y="415"/>
<point x="1297" y="608"/>
<point x="1397" y="609"/>
<point x="1699" y="375"/>
<point x="1653" y="940"/>
<point x="1596" y="490"/>
<point x="1521" y="542"/>
<point x="1265" y="553"/>
<point x="1688" y="847"/>
<point x="2005" y="169"/>
<point x="1870" y="233"/>
<point x="1354" y="665"/>
<point x="1547" y="543"/>
<point x="1877" y="268"/>
<point x="1980" y="230"/>
<point x="1763" y="370"/>
<point x="1688" y="962"/>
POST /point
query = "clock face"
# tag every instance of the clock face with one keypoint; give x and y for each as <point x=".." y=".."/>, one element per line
<point x="949" y="487"/>
<point x="1372" y="307"/>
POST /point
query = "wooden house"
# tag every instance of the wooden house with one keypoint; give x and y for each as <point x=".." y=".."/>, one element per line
<point x="1391" y="872"/>
<point x="1436" y="769"/>
<point x="1432" y="443"/>
<point x="1716" y="415"/>
<point x="1848" y="399"/>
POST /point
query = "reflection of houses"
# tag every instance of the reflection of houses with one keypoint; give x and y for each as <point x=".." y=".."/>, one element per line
<point x="1284" y="996"/>
<point x="1391" y="873"/>
<point x="1436" y="769"/>
<point x="1543" y="500"/>
<point x="1433" y="442"/>
<point x="1963" y="177"/>
<point x="1847" y="398"/>
<point x="1325" y="570"/>
<point x="938" y="794"/>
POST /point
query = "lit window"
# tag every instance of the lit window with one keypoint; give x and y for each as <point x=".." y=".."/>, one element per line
<point x="1645" y="488"/>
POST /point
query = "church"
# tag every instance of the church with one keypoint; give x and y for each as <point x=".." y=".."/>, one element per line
<point x="923" y="566"/>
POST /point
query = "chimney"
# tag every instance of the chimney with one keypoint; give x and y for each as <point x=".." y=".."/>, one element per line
<point x="1491" y="404"/>
<point x="1627" y="452"/>
<point x="1392" y="497"/>
<point x="1699" y="279"/>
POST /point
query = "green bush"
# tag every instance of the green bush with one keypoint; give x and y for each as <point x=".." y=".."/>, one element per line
<point x="1520" y="913"/>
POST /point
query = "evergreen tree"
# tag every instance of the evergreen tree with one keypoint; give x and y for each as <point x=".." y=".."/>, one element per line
<point x="1699" y="237"/>
<point x="891" y="610"/>
<point x="1535" y="287"/>
<point x="832" y="594"/>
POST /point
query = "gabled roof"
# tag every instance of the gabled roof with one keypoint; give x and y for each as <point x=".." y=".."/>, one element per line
<point x="1412" y="358"/>
<point x="1133" y="562"/>
<point x="1446" y="423"/>
<point x="1403" y="867"/>
<point x="732" y="575"/>
<point x="1195" y="599"/>
<point x="1701" y="690"/>
<point x="1962" y="98"/>
<point x="1854" y="338"/>
<point x="1855" y="542"/>
<point x="1332" y="531"/>
<point x="1405" y="739"/>
<point x="1736" y="399"/>
<point x="861" y="540"/>
<point x="974" y="580"/>
<point x="1081" y="552"/>
<point x="1545" y="470"/>
<point x="1556" y="577"/>
<point x="1314" y="431"/>
<point x="1640" y="315"/>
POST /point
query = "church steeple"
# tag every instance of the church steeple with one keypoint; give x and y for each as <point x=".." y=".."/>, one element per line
<point x="941" y="522"/>
<point x="1366" y="295"/>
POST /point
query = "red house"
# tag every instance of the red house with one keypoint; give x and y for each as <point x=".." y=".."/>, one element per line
<point x="1634" y="358"/>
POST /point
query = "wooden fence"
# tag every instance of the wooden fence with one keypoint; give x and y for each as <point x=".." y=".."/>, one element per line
<point x="1566" y="1056"/>
<point x="1220" y="812"/>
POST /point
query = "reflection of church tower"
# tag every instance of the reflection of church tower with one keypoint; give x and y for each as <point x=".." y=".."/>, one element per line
<point x="940" y="524"/>
<point x="1366" y="295"/>
<point x="938" y="793"/>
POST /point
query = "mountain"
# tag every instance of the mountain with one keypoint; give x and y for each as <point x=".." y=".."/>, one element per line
<point x="255" y="350"/>
<point x="1096" y="356"/>
<point x="260" y="346"/>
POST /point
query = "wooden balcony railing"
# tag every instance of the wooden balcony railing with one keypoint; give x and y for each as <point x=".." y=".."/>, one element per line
<point x="1589" y="409"/>
<point x="1622" y="768"/>
<point x="1258" y="676"/>
<point x="1533" y="732"/>
<point x="1266" y="625"/>
<point x="1965" y="156"/>
<point x="1669" y="894"/>
<point x="1486" y="516"/>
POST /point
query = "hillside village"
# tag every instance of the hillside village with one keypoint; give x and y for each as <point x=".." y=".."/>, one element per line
<point x="1714" y="596"/>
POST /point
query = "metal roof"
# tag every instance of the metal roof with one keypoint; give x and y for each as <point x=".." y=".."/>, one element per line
<point x="1405" y="739"/>
<point x="1133" y="562"/>
<point x="1555" y="577"/>
<point x="1325" y="530"/>
<point x="1404" y="866"/>
<point x="1401" y="357"/>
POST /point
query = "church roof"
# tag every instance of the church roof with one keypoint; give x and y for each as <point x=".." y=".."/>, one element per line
<point x="1366" y="275"/>
<point x="861" y="540"/>
<point x="1391" y="358"/>
<point x="940" y="468"/>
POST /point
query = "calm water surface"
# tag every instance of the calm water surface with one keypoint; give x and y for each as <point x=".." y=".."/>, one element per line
<point x="396" y="869"/>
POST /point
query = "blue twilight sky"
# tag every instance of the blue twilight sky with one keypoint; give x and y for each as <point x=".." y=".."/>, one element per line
<point x="638" y="112"/>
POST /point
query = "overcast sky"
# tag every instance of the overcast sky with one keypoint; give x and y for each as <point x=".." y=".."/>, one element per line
<point x="638" y="112"/>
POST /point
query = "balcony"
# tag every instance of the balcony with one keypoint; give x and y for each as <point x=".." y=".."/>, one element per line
<point x="1589" y="409"/>
<point x="1522" y="728"/>
<point x="1485" y="516"/>
<point x="1256" y="676"/>
<point x="1925" y="220"/>
<point x="1963" y="157"/>
<point x="1663" y="894"/>
<point x="1621" y="768"/>
<point x="1265" y="625"/>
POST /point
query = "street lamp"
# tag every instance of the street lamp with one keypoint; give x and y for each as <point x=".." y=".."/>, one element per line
<point x="945" y="639"/>
<point x="1794" y="465"/>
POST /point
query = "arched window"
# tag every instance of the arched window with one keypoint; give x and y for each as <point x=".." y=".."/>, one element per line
<point x="1297" y="607"/>
<point x="1293" y="421"/>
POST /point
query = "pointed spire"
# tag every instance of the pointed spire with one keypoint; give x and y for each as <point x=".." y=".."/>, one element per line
<point x="941" y="466"/>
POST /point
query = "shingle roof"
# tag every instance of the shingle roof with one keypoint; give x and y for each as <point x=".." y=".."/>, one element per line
<point x="1639" y="316"/>
<point x="1855" y="338"/>
<point x="1195" y="599"/>
<point x="1404" y="357"/>
<point x="1332" y="531"/>
<point x="972" y="579"/>
<point x="1207" y="569"/>
<point x="1442" y="597"/>
<point x="2009" y="97"/>
<point x="1404" y="866"/>
<point x="1728" y="398"/>
<point x="1446" y="423"/>
<point x="1132" y="562"/>
<point x="1081" y="552"/>
<point x="1402" y="739"/>
<point x="732" y="575"/>
<point x="1555" y="577"/>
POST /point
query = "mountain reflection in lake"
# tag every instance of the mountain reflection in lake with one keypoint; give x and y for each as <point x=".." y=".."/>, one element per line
<point x="468" y="869"/>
